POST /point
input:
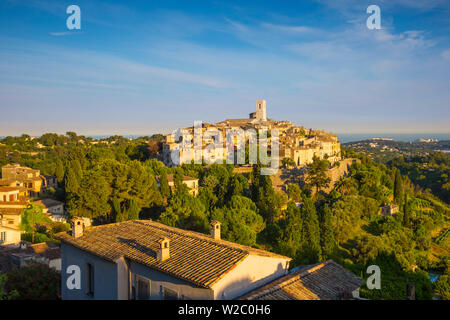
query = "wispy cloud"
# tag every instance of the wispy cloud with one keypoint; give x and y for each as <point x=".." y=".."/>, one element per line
<point x="172" y="67"/>
<point x="65" y="33"/>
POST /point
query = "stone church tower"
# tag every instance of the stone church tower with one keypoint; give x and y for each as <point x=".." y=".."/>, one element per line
<point x="261" y="110"/>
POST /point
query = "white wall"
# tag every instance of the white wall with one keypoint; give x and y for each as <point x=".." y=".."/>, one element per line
<point x="251" y="273"/>
<point x="12" y="236"/>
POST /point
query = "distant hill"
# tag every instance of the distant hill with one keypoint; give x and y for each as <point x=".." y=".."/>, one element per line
<point x="383" y="150"/>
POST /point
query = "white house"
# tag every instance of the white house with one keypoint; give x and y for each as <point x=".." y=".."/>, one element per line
<point x="143" y="259"/>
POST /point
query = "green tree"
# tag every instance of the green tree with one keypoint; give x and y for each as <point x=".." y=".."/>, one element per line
<point x="442" y="287"/>
<point x="164" y="185"/>
<point x="186" y="212"/>
<point x="35" y="281"/>
<point x="398" y="189"/>
<point x="133" y="210"/>
<point x="31" y="217"/>
<point x="59" y="171"/>
<point x="291" y="237"/>
<point x="93" y="196"/>
<point x="288" y="162"/>
<point x="294" y="192"/>
<point x="327" y="241"/>
<point x="3" y="295"/>
<point x="178" y="183"/>
<point x="72" y="187"/>
<point x="208" y="198"/>
<point x="406" y="213"/>
<point x="240" y="220"/>
<point x="116" y="212"/>
<point x="317" y="174"/>
<point x="311" y="251"/>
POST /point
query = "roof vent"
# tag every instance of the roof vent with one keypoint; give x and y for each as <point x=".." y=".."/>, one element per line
<point x="215" y="229"/>
<point x="164" y="249"/>
<point x="77" y="227"/>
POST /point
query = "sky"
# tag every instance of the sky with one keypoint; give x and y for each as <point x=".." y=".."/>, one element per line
<point x="144" y="67"/>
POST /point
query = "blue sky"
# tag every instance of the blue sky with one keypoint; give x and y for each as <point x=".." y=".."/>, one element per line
<point x="141" y="67"/>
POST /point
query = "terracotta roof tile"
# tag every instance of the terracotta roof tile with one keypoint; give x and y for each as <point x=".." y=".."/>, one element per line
<point x="194" y="257"/>
<point x="323" y="281"/>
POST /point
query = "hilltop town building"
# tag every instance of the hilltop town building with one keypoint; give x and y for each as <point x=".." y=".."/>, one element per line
<point x="14" y="175"/>
<point x="190" y="182"/>
<point x="388" y="210"/>
<point x="295" y="142"/>
<point x="12" y="203"/>
<point x="17" y="186"/>
<point x="53" y="208"/>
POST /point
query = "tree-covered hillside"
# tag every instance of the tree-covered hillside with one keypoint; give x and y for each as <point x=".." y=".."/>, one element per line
<point x="112" y="182"/>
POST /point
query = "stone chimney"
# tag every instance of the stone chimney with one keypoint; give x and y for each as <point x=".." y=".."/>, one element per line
<point x="164" y="249"/>
<point x="215" y="229"/>
<point x="77" y="227"/>
<point x="22" y="245"/>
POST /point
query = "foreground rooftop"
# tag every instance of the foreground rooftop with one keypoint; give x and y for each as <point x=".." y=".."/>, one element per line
<point x="194" y="257"/>
<point x="324" y="281"/>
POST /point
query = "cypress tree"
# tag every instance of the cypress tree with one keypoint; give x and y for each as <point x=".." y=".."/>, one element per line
<point x="133" y="210"/>
<point x="72" y="187"/>
<point x="180" y="187"/>
<point x="327" y="241"/>
<point x="291" y="237"/>
<point x="76" y="166"/>
<point x="398" y="196"/>
<point x="71" y="183"/>
<point x="122" y="216"/>
<point x="312" y="252"/>
<point x="59" y="171"/>
<point x="406" y="213"/>
<point x="116" y="210"/>
<point x="164" y="185"/>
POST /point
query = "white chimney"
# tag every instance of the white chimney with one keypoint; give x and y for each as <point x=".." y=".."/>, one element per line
<point x="22" y="245"/>
<point x="215" y="229"/>
<point x="77" y="227"/>
<point x="164" y="249"/>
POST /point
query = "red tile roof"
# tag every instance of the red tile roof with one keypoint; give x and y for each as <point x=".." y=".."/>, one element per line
<point x="194" y="257"/>
<point x="323" y="281"/>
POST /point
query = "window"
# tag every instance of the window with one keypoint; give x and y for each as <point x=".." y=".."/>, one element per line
<point x="143" y="288"/>
<point x="2" y="236"/>
<point x="90" y="279"/>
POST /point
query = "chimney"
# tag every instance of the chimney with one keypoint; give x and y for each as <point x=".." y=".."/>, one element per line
<point x="77" y="227"/>
<point x="163" y="251"/>
<point x="22" y="245"/>
<point x="215" y="229"/>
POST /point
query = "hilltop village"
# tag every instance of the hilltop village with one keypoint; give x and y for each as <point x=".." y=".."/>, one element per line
<point x="141" y="227"/>
<point x="295" y="142"/>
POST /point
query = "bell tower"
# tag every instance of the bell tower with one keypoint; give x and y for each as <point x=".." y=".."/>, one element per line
<point x="261" y="110"/>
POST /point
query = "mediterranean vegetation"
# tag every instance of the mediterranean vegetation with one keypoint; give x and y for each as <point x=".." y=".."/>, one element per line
<point x="114" y="180"/>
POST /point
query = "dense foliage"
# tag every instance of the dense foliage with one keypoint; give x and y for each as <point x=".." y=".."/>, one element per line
<point x="115" y="180"/>
<point x="35" y="281"/>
